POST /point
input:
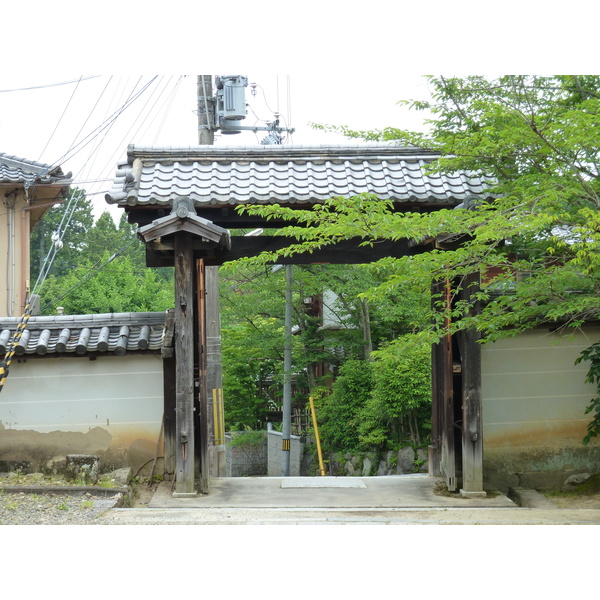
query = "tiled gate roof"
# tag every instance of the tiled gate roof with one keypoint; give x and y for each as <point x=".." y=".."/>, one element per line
<point x="232" y="175"/>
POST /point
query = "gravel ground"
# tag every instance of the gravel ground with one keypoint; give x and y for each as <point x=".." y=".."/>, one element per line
<point x="52" y="508"/>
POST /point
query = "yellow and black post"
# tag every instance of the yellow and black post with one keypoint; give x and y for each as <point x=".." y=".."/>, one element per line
<point x="32" y="302"/>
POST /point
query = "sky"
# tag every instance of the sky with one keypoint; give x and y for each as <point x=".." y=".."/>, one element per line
<point x="84" y="123"/>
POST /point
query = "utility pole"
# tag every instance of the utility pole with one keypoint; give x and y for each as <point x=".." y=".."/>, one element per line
<point x="214" y="371"/>
<point x="287" y="377"/>
<point x="206" y="108"/>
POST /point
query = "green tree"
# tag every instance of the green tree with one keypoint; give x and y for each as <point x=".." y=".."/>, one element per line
<point x="116" y="287"/>
<point x="398" y="411"/>
<point x="252" y="312"/>
<point x="74" y="239"/>
<point x="339" y="413"/>
<point x="534" y="233"/>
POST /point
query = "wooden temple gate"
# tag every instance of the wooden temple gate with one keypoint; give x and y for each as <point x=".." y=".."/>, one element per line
<point x="195" y="211"/>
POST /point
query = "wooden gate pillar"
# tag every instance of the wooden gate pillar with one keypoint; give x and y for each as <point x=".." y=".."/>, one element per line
<point x="184" y="352"/>
<point x="472" y="434"/>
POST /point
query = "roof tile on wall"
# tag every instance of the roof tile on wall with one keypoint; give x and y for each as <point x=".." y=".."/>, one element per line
<point x="112" y="333"/>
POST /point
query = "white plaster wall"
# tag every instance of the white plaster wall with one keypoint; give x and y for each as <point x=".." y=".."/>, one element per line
<point x="122" y="395"/>
<point x="533" y="393"/>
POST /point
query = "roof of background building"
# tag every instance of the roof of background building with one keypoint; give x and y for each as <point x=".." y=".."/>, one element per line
<point x="111" y="333"/>
<point x="231" y="175"/>
<point x="20" y="170"/>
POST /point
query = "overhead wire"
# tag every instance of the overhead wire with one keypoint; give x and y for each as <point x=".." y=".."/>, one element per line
<point x="60" y="119"/>
<point x="91" y="112"/>
<point x="71" y="204"/>
<point x="73" y="199"/>
<point x="49" y="85"/>
<point x="141" y="116"/>
<point x="91" y="272"/>
<point x="167" y="112"/>
<point x="99" y="140"/>
<point x="108" y="123"/>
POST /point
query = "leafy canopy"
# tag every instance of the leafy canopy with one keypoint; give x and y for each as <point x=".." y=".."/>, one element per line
<point x="533" y="235"/>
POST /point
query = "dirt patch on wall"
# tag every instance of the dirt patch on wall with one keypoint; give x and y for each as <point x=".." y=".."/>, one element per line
<point x="30" y="451"/>
<point x="39" y="449"/>
<point x="538" y="468"/>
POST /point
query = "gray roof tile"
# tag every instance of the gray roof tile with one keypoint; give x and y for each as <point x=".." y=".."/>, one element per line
<point x="112" y="333"/>
<point x="20" y="170"/>
<point x="284" y="174"/>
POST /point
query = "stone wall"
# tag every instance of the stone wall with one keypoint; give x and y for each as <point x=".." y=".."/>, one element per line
<point x="368" y="464"/>
<point x="245" y="460"/>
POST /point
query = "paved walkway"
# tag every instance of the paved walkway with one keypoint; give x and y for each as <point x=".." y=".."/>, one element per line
<point x="397" y="491"/>
<point x="393" y="500"/>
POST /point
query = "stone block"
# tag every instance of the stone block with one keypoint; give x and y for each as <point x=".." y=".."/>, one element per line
<point x="121" y="477"/>
<point x="82" y="468"/>
<point x="406" y="460"/>
<point x="367" y="464"/>
<point x="574" y="480"/>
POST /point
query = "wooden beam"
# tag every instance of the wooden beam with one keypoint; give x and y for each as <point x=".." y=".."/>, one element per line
<point x="227" y="215"/>
<point x="184" y="356"/>
<point x="445" y="400"/>
<point x="345" y="252"/>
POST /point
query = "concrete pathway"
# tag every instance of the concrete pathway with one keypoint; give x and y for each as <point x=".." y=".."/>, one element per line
<point x="396" y="491"/>
<point x="328" y="516"/>
<point x="392" y="500"/>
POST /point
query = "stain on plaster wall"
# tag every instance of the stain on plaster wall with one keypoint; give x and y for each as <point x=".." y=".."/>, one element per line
<point x="48" y="451"/>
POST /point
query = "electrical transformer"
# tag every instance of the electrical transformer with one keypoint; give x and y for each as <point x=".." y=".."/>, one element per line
<point x="231" y="99"/>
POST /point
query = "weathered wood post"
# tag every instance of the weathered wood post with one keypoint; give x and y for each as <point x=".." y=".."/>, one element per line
<point x="472" y="438"/>
<point x="184" y="352"/>
<point x="205" y="420"/>
<point x="183" y="233"/>
<point x="169" y="389"/>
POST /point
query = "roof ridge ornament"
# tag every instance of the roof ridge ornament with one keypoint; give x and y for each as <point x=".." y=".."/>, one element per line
<point x="183" y="206"/>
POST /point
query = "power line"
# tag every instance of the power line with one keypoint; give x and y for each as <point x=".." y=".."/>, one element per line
<point x="107" y="123"/>
<point x="49" y="85"/>
<point x="141" y="116"/>
<point x="59" y="120"/>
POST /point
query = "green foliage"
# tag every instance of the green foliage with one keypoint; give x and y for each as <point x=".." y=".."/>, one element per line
<point x="250" y="439"/>
<point x="73" y="242"/>
<point x="115" y="289"/>
<point x="338" y="415"/>
<point x="592" y="355"/>
<point x="250" y="360"/>
<point x="100" y="268"/>
<point x="252" y="315"/>
<point x="534" y="231"/>
<point x="535" y="141"/>
<point x="399" y="407"/>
